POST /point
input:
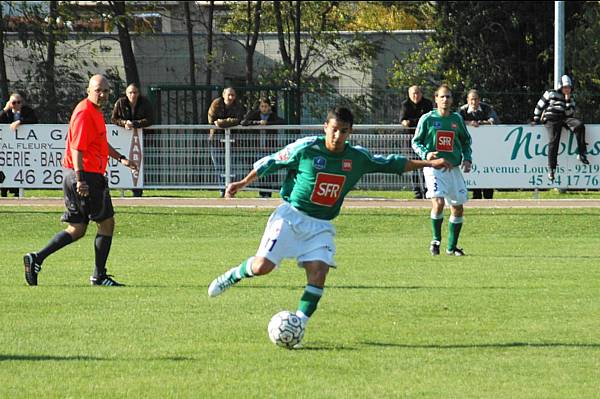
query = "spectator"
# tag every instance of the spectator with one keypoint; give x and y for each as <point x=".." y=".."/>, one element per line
<point x="555" y="110"/>
<point x="132" y="112"/>
<point x="411" y="110"/>
<point x="266" y="141"/>
<point x="16" y="113"/>
<point x="476" y="113"/>
<point x="224" y="112"/>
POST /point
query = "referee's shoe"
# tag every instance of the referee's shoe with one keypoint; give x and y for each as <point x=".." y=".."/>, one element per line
<point x="32" y="268"/>
<point x="105" y="280"/>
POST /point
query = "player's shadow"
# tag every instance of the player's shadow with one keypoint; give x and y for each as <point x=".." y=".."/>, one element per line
<point x="57" y="358"/>
<point x="324" y="346"/>
<point x="498" y="345"/>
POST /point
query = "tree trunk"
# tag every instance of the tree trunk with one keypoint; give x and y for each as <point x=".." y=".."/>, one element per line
<point x="209" y="58"/>
<point x="49" y="81"/>
<point x="297" y="65"/>
<point x="192" y="60"/>
<point x="251" y="39"/>
<point x="131" y="71"/>
<point x="3" y="76"/>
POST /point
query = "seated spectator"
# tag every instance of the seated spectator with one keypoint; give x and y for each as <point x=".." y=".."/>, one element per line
<point x="132" y="112"/>
<point x="267" y="139"/>
<point x="411" y="110"/>
<point x="225" y="111"/>
<point x="476" y="113"/>
<point x="16" y="113"/>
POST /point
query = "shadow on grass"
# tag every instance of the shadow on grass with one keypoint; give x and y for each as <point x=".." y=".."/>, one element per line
<point x="499" y="345"/>
<point x="56" y="358"/>
<point x="322" y="346"/>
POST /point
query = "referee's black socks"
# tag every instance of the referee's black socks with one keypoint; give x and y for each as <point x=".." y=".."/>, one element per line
<point x="102" y="246"/>
<point x="60" y="240"/>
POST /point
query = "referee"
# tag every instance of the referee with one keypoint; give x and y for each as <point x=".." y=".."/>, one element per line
<point x="85" y="188"/>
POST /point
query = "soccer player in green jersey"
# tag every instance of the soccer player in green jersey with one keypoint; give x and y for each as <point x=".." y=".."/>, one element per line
<point x="443" y="134"/>
<point x="320" y="172"/>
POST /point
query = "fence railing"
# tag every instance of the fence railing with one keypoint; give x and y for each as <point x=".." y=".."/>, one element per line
<point x="187" y="156"/>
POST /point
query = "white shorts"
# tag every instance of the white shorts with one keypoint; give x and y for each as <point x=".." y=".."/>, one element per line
<point x="447" y="184"/>
<point x="293" y="234"/>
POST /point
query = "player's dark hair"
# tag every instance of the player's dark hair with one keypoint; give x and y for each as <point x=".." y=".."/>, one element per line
<point x="342" y="114"/>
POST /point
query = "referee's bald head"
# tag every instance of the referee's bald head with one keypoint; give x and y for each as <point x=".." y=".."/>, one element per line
<point x="98" y="89"/>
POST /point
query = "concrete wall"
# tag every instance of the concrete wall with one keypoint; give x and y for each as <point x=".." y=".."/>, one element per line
<point x="163" y="58"/>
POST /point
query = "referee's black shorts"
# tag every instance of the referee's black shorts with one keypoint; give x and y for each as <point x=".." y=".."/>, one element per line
<point x="97" y="206"/>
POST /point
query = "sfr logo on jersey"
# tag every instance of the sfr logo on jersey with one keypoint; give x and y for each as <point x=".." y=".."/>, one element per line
<point x="444" y="141"/>
<point x="328" y="189"/>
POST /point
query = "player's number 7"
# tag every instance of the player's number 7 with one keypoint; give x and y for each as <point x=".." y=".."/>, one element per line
<point x="271" y="244"/>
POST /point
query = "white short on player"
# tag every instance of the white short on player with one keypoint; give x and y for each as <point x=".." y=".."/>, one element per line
<point x="293" y="234"/>
<point x="447" y="184"/>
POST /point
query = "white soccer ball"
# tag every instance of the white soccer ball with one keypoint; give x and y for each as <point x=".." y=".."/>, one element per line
<point x="285" y="329"/>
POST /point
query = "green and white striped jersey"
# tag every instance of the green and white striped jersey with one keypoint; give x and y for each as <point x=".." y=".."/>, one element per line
<point x="318" y="180"/>
<point x="447" y="135"/>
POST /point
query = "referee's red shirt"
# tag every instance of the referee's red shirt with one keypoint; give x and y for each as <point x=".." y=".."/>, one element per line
<point x="87" y="133"/>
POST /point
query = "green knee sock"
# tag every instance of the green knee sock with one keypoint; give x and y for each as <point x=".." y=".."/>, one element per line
<point x="454" y="226"/>
<point x="436" y="226"/>
<point x="308" y="303"/>
<point x="244" y="270"/>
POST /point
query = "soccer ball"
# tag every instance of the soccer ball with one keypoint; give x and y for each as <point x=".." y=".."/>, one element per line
<point x="285" y="329"/>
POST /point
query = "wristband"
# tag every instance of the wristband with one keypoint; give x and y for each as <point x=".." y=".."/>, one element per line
<point x="122" y="157"/>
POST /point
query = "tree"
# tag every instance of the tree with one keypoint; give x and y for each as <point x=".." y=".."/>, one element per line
<point x="497" y="48"/>
<point x="252" y="31"/>
<point x="192" y="59"/>
<point x="120" y="18"/>
<point x="4" y="93"/>
<point x="582" y="50"/>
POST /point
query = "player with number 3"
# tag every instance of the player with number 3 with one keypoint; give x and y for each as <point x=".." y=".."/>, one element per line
<point x="442" y="134"/>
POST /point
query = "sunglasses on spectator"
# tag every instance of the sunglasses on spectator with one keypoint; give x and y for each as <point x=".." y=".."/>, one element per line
<point x="16" y="102"/>
<point x="446" y="96"/>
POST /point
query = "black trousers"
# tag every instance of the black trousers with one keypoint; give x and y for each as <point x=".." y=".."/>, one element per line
<point x="480" y="193"/>
<point x="554" y="130"/>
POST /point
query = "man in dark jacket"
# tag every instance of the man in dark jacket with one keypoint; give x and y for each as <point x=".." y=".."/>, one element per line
<point x="132" y="112"/>
<point x="476" y="113"/>
<point x="225" y="111"/>
<point x="16" y="113"/>
<point x="411" y="110"/>
<point x="555" y="110"/>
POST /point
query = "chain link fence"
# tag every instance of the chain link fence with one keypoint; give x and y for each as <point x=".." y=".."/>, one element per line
<point x="185" y="156"/>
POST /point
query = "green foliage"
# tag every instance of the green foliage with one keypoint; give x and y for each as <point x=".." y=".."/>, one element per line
<point x="582" y="52"/>
<point x="353" y="16"/>
<point x="517" y="318"/>
<point x="495" y="47"/>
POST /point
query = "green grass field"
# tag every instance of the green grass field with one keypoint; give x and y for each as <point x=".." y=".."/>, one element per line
<point x="518" y="318"/>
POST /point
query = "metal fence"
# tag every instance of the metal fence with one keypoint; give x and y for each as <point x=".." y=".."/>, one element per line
<point x="186" y="156"/>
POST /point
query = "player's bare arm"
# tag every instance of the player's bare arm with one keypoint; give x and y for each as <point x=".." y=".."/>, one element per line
<point x="432" y="155"/>
<point x="233" y="188"/>
<point x="466" y="166"/>
<point x="438" y="163"/>
<point x="122" y="158"/>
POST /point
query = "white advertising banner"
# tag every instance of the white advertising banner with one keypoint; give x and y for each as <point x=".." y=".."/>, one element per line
<point x="31" y="156"/>
<point x="516" y="156"/>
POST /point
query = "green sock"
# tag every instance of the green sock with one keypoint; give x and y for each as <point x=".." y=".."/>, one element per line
<point x="436" y="226"/>
<point x="454" y="226"/>
<point x="308" y="303"/>
<point x="244" y="270"/>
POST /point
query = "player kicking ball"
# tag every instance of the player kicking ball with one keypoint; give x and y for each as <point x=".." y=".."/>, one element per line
<point x="320" y="172"/>
<point x="442" y="134"/>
